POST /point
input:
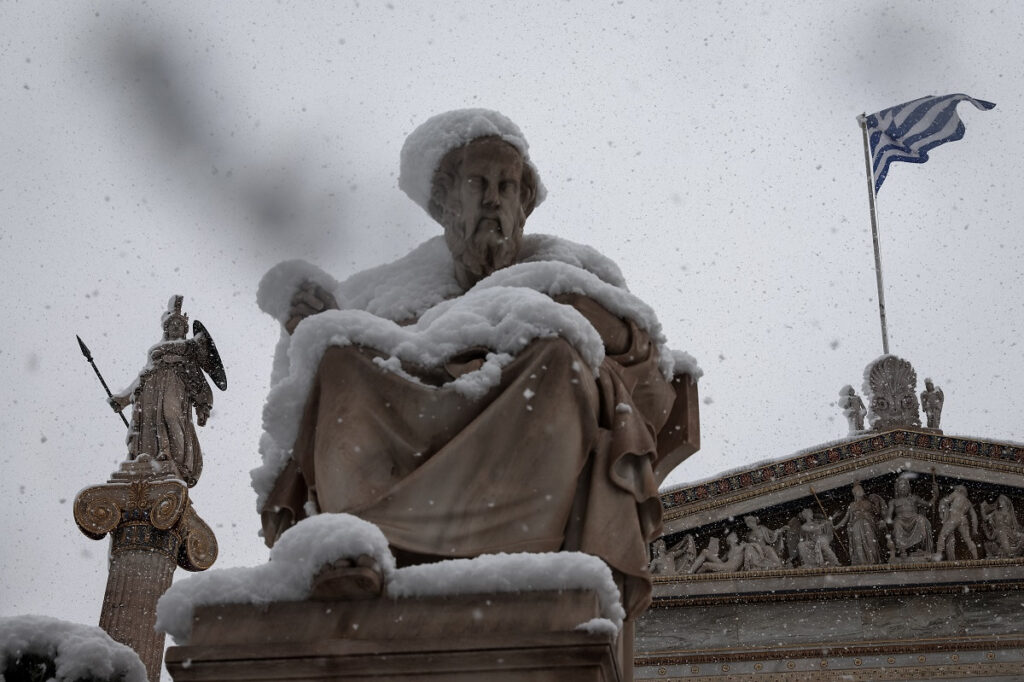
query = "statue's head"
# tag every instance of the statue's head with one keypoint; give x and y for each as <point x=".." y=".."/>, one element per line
<point x="858" y="491"/>
<point x="928" y="385"/>
<point x="751" y="521"/>
<point x="470" y="170"/>
<point x="732" y="539"/>
<point x="806" y="514"/>
<point x="902" y="487"/>
<point x="482" y="193"/>
<point x="960" y="490"/>
<point x="175" y="322"/>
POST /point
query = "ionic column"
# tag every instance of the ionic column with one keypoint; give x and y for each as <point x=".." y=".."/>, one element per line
<point x="153" y="529"/>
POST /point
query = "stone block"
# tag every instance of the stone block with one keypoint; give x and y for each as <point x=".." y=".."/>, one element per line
<point x="502" y="637"/>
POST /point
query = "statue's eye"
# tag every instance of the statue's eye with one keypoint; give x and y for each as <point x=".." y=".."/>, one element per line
<point x="507" y="186"/>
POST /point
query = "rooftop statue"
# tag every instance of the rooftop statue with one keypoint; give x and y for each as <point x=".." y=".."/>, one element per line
<point x="166" y="390"/>
<point x="853" y="408"/>
<point x="931" y="402"/>
<point x="491" y="391"/>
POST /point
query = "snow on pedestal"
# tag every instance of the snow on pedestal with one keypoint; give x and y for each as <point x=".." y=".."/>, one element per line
<point x="320" y="540"/>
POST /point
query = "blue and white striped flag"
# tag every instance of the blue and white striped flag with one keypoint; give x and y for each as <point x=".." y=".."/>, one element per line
<point x="908" y="131"/>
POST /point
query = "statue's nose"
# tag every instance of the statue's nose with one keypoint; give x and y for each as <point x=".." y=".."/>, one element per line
<point x="492" y="198"/>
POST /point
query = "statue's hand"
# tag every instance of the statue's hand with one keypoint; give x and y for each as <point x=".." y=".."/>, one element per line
<point x="118" y="403"/>
<point x="202" y="414"/>
<point x="310" y="299"/>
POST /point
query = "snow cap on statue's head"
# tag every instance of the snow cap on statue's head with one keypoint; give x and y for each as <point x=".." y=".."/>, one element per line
<point x="427" y="145"/>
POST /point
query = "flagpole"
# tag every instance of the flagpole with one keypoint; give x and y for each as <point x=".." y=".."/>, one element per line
<point x="862" y="119"/>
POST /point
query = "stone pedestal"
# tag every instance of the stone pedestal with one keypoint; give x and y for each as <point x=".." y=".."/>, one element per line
<point x="496" y="637"/>
<point x="153" y="529"/>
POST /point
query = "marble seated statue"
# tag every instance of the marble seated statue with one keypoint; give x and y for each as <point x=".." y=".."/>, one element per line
<point x="489" y="392"/>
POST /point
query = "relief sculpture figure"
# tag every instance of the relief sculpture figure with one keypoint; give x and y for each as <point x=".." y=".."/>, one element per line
<point x="911" y="532"/>
<point x="863" y="519"/>
<point x="675" y="559"/>
<point x="955" y="510"/>
<point x="165" y="392"/>
<point x="709" y="561"/>
<point x="762" y="546"/>
<point x="1005" y="538"/>
<point x="815" y="545"/>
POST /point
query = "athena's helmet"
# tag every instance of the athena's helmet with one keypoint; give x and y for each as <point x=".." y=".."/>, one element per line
<point x="174" y="313"/>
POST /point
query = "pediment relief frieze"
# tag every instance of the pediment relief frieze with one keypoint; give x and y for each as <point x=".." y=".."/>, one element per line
<point x="896" y="512"/>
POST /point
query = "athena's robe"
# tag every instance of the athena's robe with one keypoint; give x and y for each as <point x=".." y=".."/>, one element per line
<point x="551" y="458"/>
<point x="162" y="400"/>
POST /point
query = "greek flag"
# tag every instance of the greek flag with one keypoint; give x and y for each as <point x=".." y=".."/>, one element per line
<point x="908" y="131"/>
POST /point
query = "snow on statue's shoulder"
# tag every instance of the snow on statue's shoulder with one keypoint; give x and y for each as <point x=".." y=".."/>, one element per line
<point x="77" y="651"/>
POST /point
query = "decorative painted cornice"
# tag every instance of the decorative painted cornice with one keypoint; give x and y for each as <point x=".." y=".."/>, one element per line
<point x="827" y="457"/>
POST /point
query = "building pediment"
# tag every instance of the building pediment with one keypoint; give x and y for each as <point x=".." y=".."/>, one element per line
<point x="840" y="464"/>
<point x="885" y="510"/>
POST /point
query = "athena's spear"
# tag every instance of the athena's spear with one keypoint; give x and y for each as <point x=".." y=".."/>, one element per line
<point x="88" y="356"/>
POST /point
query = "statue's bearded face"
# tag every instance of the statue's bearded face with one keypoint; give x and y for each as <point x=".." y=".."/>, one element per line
<point x="483" y="209"/>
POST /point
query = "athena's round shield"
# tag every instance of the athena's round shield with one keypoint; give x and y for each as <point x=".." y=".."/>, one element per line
<point x="209" y="358"/>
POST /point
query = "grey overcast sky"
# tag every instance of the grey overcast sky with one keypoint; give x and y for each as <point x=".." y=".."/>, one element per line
<point x="711" y="149"/>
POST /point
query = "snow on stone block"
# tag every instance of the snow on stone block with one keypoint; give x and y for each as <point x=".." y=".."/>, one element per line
<point x="296" y="557"/>
<point x="523" y="572"/>
<point x="314" y="542"/>
<point x="684" y="363"/>
<point x="77" y="651"/>
<point x="599" y="626"/>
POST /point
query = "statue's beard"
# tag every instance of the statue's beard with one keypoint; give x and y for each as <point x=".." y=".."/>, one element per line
<point x="485" y="247"/>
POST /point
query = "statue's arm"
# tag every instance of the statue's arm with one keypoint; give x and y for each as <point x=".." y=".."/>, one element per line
<point x="120" y="401"/>
<point x="203" y="402"/>
<point x="614" y="331"/>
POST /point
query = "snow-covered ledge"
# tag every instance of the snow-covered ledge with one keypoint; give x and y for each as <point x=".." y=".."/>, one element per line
<point x="75" y="651"/>
<point x="306" y="548"/>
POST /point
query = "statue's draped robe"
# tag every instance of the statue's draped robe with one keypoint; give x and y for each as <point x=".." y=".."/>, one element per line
<point x="162" y="403"/>
<point x="551" y="458"/>
<point x="862" y="537"/>
<point x="909" y="528"/>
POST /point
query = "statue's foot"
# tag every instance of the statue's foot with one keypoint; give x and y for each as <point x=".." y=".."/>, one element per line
<point x="359" y="578"/>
